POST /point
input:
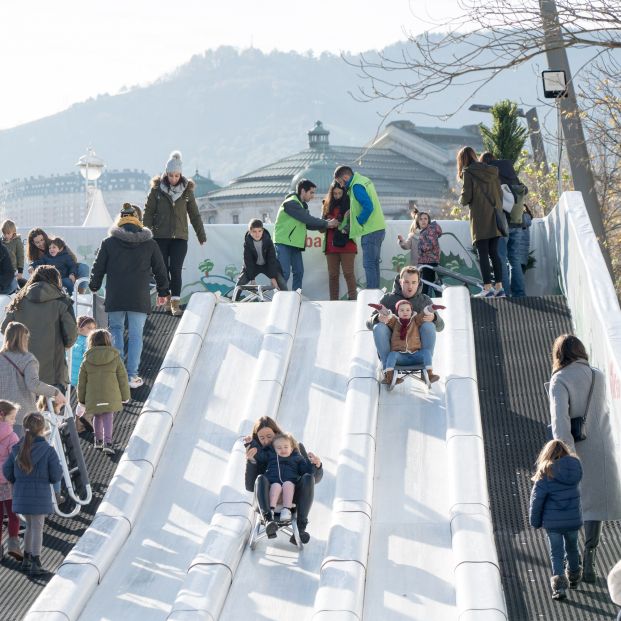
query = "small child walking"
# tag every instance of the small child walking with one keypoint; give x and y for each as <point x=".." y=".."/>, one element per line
<point x="86" y="325"/>
<point x="31" y="467"/>
<point x="555" y="505"/>
<point x="103" y="386"/>
<point x="8" y="439"/>
<point x="285" y="465"/>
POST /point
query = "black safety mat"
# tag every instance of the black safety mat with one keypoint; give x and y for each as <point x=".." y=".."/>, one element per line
<point x="513" y="340"/>
<point x="18" y="591"/>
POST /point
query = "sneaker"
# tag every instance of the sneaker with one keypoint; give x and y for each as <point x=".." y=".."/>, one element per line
<point x="485" y="294"/>
<point x="14" y="549"/>
<point x="500" y="293"/>
<point x="59" y="498"/>
<point x="108" y="449"/>
<point x="135" y="381"/>
<point x="285" y="515"/>
<point x="98" y="444"/>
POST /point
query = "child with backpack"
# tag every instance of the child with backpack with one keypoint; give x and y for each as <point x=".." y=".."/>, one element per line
<point x="555" y="505"/>
<point x="103" y="386"/>
<point x="8" y="439"/>
<point x="31" y="467"/>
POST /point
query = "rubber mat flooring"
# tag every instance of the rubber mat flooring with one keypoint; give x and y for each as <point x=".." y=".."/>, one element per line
<point x="513" y="340"/>
<point x="18" y="591"/>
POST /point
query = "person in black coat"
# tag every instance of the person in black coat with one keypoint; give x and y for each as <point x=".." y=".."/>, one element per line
<point x="259" y="258"/>
<point x="8" y="282"/>
<point x="264" y="431"/>
<point x="128" y="257"/>
<point x="555" y="505"/>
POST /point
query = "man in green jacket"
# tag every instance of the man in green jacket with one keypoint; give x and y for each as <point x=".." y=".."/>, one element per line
<point x="292" y="222"/>
<point x="367" y="220"/>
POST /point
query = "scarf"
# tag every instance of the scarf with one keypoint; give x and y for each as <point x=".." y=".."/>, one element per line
<point x="403" y="327"/>
<point x="121" y="220"/>
<point x="174" y="191"/>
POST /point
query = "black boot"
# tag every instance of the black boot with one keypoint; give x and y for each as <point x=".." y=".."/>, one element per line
<point x="36" y="569"/>
<point x="304" y="536"/>
<point x="27" y="562"/>
<point x="271" y="528"/>
<point x="589" y="573"/>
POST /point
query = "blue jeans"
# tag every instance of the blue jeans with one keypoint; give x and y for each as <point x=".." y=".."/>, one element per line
<point x="502" y="255"/>
<point x="563" y="543"/>
<point x="382" y="334"/>
<point x="519" y="239"/>
<point x="135" y="326"/>
<point x="397" y="358"/>
<point x="290" y="260"/>
<point x="68" y="285"/>
<point x="10" y="289"/>
<point x="371" y="251"/>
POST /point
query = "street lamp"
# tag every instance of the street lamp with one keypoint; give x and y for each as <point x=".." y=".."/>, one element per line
<point x="534" y="131"/>
<point x="91" y="166"/>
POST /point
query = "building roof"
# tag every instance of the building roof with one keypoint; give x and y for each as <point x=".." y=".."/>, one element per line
<point x="448" y="138"/>
<point x="393" y="174"/>
<point x="203" y="185"/>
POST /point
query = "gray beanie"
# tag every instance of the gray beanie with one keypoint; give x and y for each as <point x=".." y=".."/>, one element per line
<point x="174" y="163"/>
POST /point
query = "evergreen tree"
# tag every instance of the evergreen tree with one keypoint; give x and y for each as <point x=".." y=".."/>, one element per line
<point x="507" y="136"/>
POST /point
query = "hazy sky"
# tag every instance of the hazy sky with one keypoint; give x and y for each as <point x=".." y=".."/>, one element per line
<point x="58" y="53"/>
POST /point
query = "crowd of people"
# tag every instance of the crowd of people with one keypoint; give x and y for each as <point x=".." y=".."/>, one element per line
<point x="40" y="327"/>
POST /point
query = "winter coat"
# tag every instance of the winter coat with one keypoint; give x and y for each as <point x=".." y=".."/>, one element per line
<point x="103" y="384"/>
<point x="569" y="390"/>
<point x="555" y="501"/>
<point x="282" y="469"/>
<point x="32" y="494"/>
<point x="271" y="266"/>
<point x="419" y="300"/>
<point x="8" y="439"/>
<point x="424" y="246"/>
<point x="63" y="262"/>
<point x="77" y="355"/>
<point x="127" y="257"/>
<point x="169" y="220"/>
<point x="48" y="314"/>
<point x="481" y="192"/>
<point x="15" y="247"/>
<point x="7" y="271"/>
<point x="412" y="342"/>
<point x="23" y="385"/>
<point x="253" y="470"/>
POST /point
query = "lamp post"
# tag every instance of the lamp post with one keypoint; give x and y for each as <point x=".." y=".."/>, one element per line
<point x="91" y="166"/>
<point x="534" y="132"/>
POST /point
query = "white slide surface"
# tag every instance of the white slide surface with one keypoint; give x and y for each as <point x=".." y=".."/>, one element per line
<point x="382" y="524"/>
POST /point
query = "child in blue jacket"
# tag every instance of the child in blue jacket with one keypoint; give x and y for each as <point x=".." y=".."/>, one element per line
<point x="31" y="467"/>
<point x="58" y="256"/>
<point x="285" y="465"/>
<point x="555" y="505"/>
<point x="86" y="325"/>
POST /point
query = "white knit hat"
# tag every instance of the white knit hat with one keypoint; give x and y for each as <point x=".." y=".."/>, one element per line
<point x="174" y="163"/>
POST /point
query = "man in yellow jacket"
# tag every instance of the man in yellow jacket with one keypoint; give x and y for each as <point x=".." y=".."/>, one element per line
<point x="367" y="220"/>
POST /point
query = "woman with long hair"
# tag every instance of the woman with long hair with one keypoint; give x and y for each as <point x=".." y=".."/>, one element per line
<point x="572" y="381"/>
<point x="47" y="312"/>
<point x="482" y="194"/>
<point x="339" y="249"/>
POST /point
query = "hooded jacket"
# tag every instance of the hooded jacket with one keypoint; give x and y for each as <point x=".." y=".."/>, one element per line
<point x="481" y="192"/>
<point x="127" y="257"/>
<point x="48" y="314"/>
<point x="555" y="501"/>
<point x="102" y="383"/>
<point x="8" y="439"/>
<point x="271" y="267"/>
<point x="32" y="494"/>
<point x="419" y="300"/>
<point x="169" y="220"/>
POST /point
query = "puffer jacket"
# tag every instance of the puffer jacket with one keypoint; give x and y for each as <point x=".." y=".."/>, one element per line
<point x="482" y="193"/>
<point x="8" y="439"/>
<point x="32" y="494"/>
<point x="15" y="247"/>
<point x="168" y="220"/>
<point x="282" y="469"/>
<point x="555" y="501"/>
<point x="77" y="355"/>
<point x="102" y="384"/>
<point x="411" y="343"/>
<point x="63" y="262"/>
<point x="48" y="314"/>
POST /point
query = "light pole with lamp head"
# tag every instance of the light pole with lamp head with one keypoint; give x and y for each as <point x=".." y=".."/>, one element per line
<point x="91" y="166"/>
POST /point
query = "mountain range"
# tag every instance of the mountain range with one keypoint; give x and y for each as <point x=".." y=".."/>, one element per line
<point x="230" y="111"/>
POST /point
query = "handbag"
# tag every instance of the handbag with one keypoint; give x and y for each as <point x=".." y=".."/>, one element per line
<point x="339" y="239"/>
<point x="501" y="222"/>
<point x="578" y="423"/>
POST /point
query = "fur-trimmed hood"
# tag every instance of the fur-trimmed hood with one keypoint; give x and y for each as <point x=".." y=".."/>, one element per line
<point x="189" y="183"/>
<point x="131" y="237"/>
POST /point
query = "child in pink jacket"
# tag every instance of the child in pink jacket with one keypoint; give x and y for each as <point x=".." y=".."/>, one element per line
<point x="8" y="438"/>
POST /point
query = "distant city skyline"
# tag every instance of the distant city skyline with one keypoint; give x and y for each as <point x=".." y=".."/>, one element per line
<point x="63" y="53"/>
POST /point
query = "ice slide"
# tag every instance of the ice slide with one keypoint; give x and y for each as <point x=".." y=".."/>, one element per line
<point x="400" y="526"/>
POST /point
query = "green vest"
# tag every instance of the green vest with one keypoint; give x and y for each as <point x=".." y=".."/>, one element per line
<point x="376" y="219"/>
<point x="288" y="230"/>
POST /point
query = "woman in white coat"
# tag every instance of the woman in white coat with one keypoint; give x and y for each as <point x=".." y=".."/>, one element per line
<point x="569" y="391"/>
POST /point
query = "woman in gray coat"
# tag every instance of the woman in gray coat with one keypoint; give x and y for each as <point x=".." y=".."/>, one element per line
<point x="601" y="487"/>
